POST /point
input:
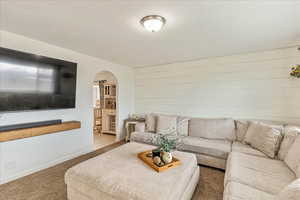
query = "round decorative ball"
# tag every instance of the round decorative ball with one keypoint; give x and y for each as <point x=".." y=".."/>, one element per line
<point x="157" y="160"/>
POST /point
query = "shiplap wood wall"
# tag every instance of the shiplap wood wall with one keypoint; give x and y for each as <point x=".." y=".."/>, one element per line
<point x="255" y="85"/>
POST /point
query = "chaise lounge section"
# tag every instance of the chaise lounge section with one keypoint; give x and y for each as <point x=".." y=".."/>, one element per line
<point x="266" y="177"/>
<point x="254" y="153"/>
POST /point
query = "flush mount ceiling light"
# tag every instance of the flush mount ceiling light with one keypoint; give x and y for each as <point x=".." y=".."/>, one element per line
<point x="153" y="23"/>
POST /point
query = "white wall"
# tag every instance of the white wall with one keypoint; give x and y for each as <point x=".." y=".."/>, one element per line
<point x="20" y="157"/>
<point x="254" y="85"/>
<point x="109" y="77"/>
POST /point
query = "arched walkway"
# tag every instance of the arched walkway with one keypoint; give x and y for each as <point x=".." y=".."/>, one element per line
<point x="105" y="101"/>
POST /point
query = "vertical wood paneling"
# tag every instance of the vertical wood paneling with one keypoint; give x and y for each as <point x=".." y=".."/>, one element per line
<point x="255" y="85"/>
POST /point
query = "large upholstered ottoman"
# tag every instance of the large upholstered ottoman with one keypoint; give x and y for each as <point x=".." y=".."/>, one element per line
<point x="119" y="175"/>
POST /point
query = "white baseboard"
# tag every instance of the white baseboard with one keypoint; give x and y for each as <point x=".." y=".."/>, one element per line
<point x="46" y="165"/>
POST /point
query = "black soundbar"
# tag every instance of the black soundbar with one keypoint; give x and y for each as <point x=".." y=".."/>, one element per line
<point x="29" y="125"/>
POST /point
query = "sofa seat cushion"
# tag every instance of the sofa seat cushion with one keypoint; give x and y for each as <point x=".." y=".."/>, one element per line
<point x="247" y="149"/>
<point x="216" y="148"/>
<point x="144" y="137"/>
<point x="264" y="174"/>
<point x="238" y="191"/>
<point x="211" y="161"/>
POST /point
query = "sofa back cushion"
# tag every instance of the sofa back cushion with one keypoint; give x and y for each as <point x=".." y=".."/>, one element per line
<point x="292" y="158"/>
<point x="290" y="192"/>
<point x="264" y="138"/>
<point x="223" y="129"/>
<point x="290" y="135"/>
<point x="166" y="124"/>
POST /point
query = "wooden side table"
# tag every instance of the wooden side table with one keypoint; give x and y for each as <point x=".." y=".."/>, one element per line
<point x="130" y="126"/>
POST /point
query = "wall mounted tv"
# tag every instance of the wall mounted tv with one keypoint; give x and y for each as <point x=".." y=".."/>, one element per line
<point x="33" y="82"/>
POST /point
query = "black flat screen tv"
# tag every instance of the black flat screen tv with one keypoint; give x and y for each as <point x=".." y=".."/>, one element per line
<point x="33" y="82"/>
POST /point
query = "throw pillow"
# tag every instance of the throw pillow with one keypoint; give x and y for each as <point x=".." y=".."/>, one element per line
<point x="292" y="158"/>
<point x="274" y="124"/>
<point x="241" y="129"/>
<point x="290" y="192"/>
<point x="140" y="127"/>
<point x="151" y="122"/>
<point x="264" y="138"/>
<point x="290" y="134"/>
<point x="166" y="124"/>
<point x="183" y="126"/>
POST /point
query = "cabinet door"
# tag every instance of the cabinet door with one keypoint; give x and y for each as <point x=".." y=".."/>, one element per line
<point x="106" y="90"/>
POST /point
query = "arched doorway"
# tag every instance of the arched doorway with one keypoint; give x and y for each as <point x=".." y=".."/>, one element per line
<point x="105" y="101"/>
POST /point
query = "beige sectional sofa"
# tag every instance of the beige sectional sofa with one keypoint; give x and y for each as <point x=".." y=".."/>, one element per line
<point x="254" y="169"/>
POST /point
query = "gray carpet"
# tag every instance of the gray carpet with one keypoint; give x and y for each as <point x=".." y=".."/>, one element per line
<point x="49" y="184"/>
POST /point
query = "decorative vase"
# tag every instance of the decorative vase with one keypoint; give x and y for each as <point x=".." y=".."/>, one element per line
<point x="155" y="152"/>
<point x="167" y="157"/>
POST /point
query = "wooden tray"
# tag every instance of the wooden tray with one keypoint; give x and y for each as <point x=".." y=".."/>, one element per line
<point x="149" y="161"/>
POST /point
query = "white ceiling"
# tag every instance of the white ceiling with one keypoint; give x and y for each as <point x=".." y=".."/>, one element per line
<point x="195" y="29"/>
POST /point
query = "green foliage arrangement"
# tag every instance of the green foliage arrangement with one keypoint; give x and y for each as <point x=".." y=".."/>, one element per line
<point x="295" y="71"/>
<point x="167" y="142"/>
